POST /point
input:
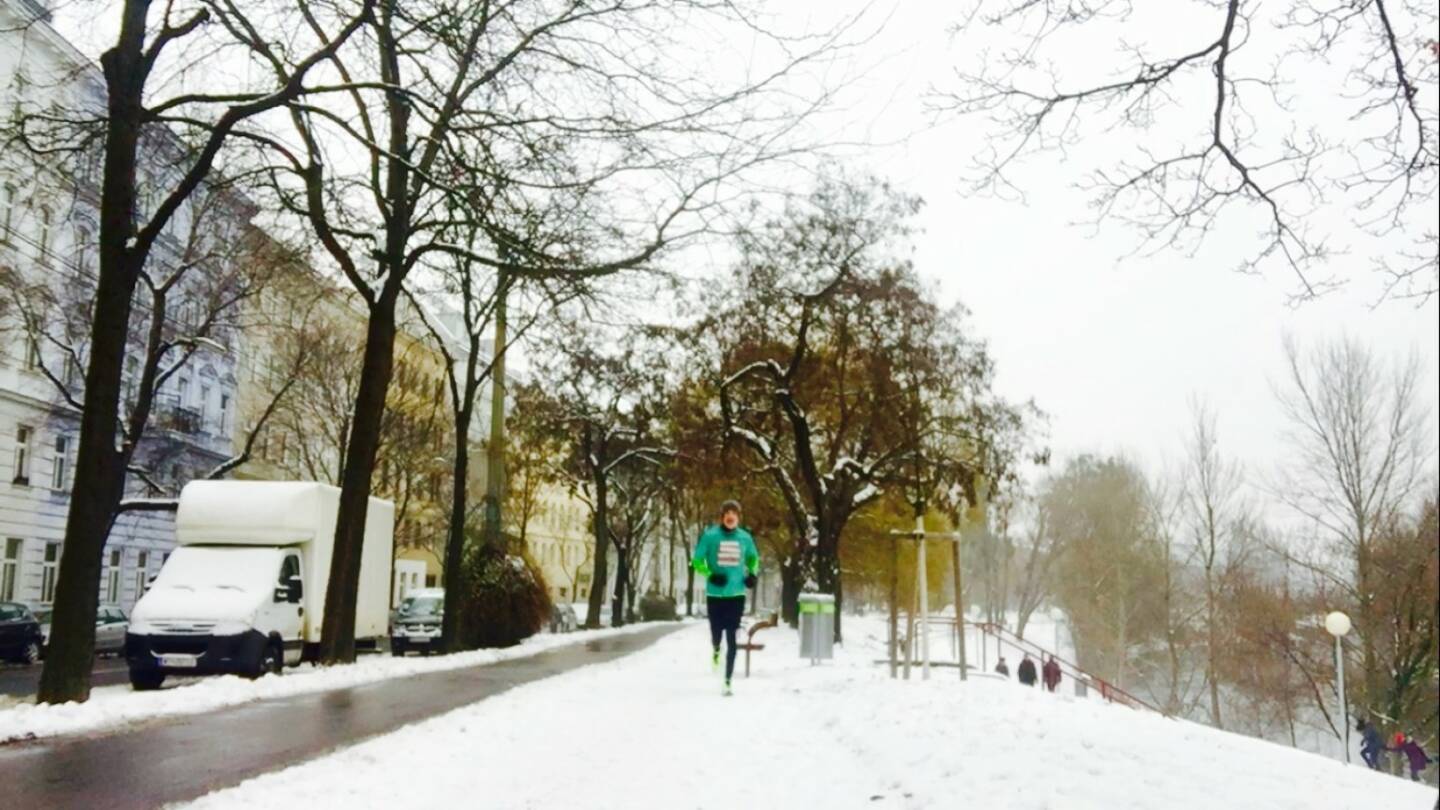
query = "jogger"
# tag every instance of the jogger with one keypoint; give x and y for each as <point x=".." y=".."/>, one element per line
<point x="726" y="556"/>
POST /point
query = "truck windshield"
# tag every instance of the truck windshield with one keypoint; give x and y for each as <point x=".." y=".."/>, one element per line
<point x="241" y="567"/>
<point x="416" y="606"/>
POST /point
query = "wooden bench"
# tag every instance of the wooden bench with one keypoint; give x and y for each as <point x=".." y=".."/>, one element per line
<point x="750" y="644"/>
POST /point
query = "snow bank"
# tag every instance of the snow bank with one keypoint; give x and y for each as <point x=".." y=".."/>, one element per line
<point x="837" y="736"/>
<point x="114" y="706"/>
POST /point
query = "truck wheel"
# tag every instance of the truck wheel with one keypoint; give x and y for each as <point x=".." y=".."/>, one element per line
<point x="270" y="661"/>
<point x="397" y="649"/>
<point x="144" y="680"/>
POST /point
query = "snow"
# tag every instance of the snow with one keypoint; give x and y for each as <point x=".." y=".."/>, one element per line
<point x="115" y="706"/>
<point x="840" y="735"/>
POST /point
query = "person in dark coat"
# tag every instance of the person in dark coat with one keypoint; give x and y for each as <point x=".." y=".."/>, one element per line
<point x="1419" y="760"/>
<point x="1026" y="673"/>
<point x="1370" y="744"/>
<point x="1051" y="673"/>
<point x="1002" y="668"/>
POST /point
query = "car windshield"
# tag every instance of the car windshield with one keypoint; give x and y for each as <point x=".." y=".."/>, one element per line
<point x="415" y="607"/>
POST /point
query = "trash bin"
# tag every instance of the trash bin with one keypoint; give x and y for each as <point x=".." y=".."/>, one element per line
<point x="817" y="626"/>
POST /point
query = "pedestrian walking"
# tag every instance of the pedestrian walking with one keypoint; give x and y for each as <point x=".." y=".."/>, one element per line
<point x="1026" y="673"/>
<point x="1419" y="760"/>
<point x="1370" y="744"/>
<point x="1002" y="668"/>
<point x="1051" y="673"/>
<point x="726" y="556"/>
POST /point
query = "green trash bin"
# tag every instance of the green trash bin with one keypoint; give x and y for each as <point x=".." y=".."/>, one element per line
<point x="817" y="626"/>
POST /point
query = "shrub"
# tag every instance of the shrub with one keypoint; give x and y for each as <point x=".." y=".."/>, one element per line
<point x="657" y="608"/>
<point x="508" y="599"/>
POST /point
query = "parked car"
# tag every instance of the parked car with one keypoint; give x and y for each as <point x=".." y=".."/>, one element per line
<point x="42" y="615"/>
<point x="417" y="622"/>
<point x="563" y="619"/>
<point x="19" y="633"/>
<point x="110" y="626"/>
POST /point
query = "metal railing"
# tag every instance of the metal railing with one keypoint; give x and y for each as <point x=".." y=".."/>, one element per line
<point x="1107" y="690"/>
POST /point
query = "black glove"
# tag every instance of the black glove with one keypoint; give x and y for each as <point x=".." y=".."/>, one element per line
<point x="750" y="581"/>
<point x="718" y="579"/>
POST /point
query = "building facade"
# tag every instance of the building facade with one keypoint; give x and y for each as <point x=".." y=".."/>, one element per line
<point x="48" y="225"/>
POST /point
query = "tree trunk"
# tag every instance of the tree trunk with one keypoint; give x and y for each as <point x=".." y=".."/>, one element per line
<point x="99" y="467"/>
<point x="337" y="635"/>
<point x="617" y="601"/>
<point x="689" y="583"/>
<point x="790" y="590"/>
<point x="1212" y="652"/>
<point x="602" y="553"/>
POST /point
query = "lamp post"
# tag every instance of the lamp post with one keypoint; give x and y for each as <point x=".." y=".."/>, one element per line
<point x="1337" y="624"/>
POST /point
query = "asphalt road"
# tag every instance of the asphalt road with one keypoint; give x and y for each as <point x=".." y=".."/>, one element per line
<point x="190" y="756"/>
<point x="20" y="680"/>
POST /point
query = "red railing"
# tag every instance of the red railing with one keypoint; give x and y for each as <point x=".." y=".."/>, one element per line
<point x="1107" y="690"/>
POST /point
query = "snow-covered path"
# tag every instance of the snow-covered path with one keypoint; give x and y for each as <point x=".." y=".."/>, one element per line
<point x="652" y="731"/>
<point x="115" y="707"/>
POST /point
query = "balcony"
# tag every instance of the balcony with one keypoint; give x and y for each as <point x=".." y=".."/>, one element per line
<point x="171" y="415"/>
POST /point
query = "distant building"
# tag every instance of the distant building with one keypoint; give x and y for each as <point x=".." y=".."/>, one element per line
<point x="561" y="542"/>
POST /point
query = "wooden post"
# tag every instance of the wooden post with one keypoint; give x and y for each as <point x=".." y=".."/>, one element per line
<point x="894" y="605"/>
<point x="960" y="611"/>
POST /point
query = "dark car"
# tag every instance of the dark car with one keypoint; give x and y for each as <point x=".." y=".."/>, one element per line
<point x="19" y="633"/>
<point x="417" y="622"/>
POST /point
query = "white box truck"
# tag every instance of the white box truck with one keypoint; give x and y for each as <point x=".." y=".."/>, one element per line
<point x="244" y="590"/>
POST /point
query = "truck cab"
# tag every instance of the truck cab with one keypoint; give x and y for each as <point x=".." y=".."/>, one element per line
<point x="218" y="609"/>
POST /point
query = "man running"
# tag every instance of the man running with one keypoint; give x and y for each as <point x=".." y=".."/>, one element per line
<point x="725" y="555"/>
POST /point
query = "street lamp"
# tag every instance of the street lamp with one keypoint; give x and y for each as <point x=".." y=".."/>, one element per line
<point x="1337" y="624"/>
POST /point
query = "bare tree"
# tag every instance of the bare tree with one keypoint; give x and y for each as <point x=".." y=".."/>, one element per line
<point x="1217" y="130"/>
<point x="1040" y="550"/>
<point x="599" y="400"/>
<point x="1218" y="519"/>
<point x="1360" y="444"/>
<point x="448" y="104"/>
<point x="140" y="200"/>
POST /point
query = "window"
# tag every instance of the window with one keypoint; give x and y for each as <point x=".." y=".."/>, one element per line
<point x="47" y="219"/>
<point x="49" y="572"/>
<point x="32" y="352"/>
<point x="204" y="405"/>
<point x="8" y="196"/>
<point x="22" y="456"/>
<point x="142" y="562"/>
<point x="10" y="568"/>
<point x="82" y="248"/>
<point x="58" y="471"/>
<point x="184" y="388"/>
<point x="224" y="414"/>
<point x="112" y="577"/>
<point x="132" y="375"/>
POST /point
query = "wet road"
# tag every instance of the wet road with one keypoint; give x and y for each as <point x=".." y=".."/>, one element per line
<point x="18" y="680"/>
<point x="190" y="756"/>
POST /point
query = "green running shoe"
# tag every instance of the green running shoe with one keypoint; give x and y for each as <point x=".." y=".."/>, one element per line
<point x="715" y="660"/>
<point x="727" y="691"/>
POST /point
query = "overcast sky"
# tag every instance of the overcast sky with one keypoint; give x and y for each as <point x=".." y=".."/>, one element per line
<point x="1112" y="348"/>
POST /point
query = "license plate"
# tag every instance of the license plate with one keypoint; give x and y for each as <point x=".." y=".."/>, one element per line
<point x="179" y="660"/>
